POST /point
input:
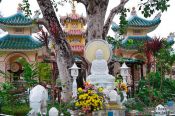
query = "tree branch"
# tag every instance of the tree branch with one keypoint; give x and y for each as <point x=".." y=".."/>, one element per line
<point x="143" y="3"/>
<point x="113" y="12"/>
<point x="41" y="21"/>
<point x="82" y="1"/>
<point x="53" y="25"/>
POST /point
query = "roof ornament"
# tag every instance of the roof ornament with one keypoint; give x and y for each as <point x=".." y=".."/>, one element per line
<point x="19" y="9"/>
<point x="133" y="12"/>
<point x="158" y="16"/>
<point x="73" y="7"/>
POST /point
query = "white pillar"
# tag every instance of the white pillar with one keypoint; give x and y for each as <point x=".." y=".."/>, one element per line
<point x="124" y="80"/>
<point x="74" y="87"/>
<point x="125" y="96"/>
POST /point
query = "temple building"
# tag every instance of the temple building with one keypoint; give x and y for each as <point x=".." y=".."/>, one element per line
<point x="134" y="38"/>
<point x="74" y="29"/>
<point x="17" y="42"/>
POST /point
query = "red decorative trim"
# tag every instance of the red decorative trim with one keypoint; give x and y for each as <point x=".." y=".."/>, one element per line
<point x="73" y="17"/>
<point x="75" y="32"/>
<point x="12" y="54"/>
<point x="77" y="48"/>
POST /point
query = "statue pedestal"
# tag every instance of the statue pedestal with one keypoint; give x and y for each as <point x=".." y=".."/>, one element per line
<point x="114" y="109"/>
<point x="111" y="109"/>
<point x="105" y="81"/>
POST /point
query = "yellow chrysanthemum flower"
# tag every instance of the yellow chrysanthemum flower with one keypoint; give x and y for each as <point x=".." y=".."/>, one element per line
<point x="77" y="104"/>
<point x="80" y="89"/>
<point x="100" y="89"/>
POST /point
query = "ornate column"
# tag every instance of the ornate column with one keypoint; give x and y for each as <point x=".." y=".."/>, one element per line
<point x="74" y="74"/>
<point x="124" y="72"/>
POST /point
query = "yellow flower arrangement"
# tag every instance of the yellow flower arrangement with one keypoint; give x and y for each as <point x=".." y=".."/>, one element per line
<point x="123" y="87"/>
<point x="90" y="98"/>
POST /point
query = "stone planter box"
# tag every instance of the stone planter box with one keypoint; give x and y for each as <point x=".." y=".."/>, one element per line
<point x="109" y="113"/>
<point x="100" y="113"/>
<point x="147" y="111"/>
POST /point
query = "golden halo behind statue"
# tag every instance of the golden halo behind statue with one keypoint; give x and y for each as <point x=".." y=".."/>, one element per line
<point x="93" y="46"/>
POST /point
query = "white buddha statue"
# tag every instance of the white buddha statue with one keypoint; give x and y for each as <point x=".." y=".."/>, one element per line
<point x="99" y="65"/>
<point x="99" y="72"/>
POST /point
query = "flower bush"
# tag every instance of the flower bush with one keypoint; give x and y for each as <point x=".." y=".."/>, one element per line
<point x="122" y="87"/>
<point x="90" y="98"/>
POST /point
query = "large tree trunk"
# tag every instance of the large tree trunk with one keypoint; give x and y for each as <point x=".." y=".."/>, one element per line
<point x="97" y="28"/>
<point x="63" y="51"/>
<point x="96" y="10"/>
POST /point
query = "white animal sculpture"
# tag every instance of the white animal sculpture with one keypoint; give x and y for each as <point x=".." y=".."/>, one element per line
<point x="38" y="100"/>
<point x="53" y="112"/>
<point x="114" y="97"/>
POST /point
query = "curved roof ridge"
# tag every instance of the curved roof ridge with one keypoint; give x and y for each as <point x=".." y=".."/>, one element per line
<point x="16" y="19"/>
<point x="138" y="21"/>
<point x="131" y="18"/>
<point x="20" y="42"/>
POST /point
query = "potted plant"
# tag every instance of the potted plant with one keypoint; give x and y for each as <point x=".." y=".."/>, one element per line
<point x="89" y="99"/>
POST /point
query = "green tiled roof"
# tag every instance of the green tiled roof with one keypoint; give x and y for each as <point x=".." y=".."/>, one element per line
<point x="133" y="42"/>
<point x="127" y="60"/>
<point x="114" y="27"/>
<point x="136" y="21"/>
<point x="19" y="42"/>
<point x="17" y="19"/>
<point x="143" y="38"/>
<point x="140" y="38"/>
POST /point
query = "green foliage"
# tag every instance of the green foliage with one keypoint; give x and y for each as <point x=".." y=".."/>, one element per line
<point x="17" y="110"/>
<point x="26" y="8"/>
<point x="5" y="74"/>
<point x="114" y="42"/>
<point x="5" y="96"/>
<point x="30" y="72"/>
<point x="150" y="6"/>
<point x="135" y="44"/>
<point x="150" y="91"/>
<point x="44" y="72"/>
<point x="123" y="21"/>
<point x="133" y="104"/>
<point x="164" y="59"/>
<point x="37" y="71"/>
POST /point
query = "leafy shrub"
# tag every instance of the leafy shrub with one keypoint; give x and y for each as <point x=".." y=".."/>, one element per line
<point x="5" y="96"/>
<point x="133" y="104"/>
<point x="155" y="89"/>
<point x="17" y="110"/>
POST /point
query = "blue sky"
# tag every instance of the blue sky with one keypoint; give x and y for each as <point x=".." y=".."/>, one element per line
<point x="8" y="7"/>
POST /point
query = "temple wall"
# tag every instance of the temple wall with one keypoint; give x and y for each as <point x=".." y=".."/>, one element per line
<point x="70" y="39"/>
<point x="116" y="68"/>
<point x="10" y="30"/>
<point x="31" y="56"/>
<point x="144" y="70"/>
<point x="2" y="68"/>
<point x="131" y="33"/>
<point x="69" y="25"/>
<point x="7" y="56"/>
<point x="26" y="31"/>
<point x="3" y="55"/>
